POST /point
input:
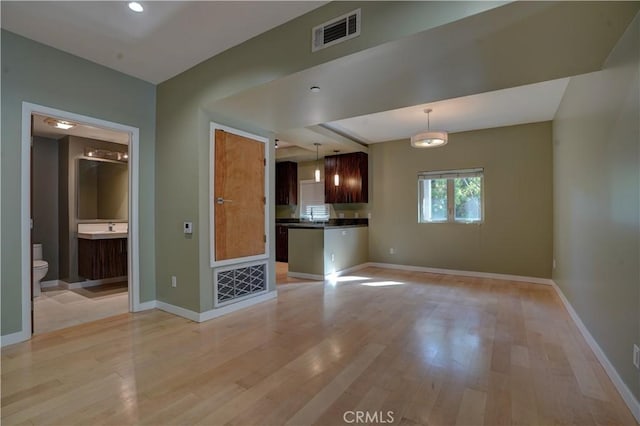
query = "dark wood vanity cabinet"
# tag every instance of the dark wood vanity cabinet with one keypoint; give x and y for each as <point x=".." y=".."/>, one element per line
<point x="102" y="258"/>
<point x="353" y="172"/>
<point x="282" y="243"/>
<point x="286" y="183"/>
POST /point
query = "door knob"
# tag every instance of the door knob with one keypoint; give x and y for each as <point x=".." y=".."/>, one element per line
<point x="221" y="200"/>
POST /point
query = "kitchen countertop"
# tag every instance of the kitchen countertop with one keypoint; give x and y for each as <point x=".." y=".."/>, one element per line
<point x="329" y="224"/>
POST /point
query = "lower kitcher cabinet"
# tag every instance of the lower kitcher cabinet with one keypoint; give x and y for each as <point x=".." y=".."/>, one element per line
<point x="105" y="258"/>
<point x="282" y="243"/>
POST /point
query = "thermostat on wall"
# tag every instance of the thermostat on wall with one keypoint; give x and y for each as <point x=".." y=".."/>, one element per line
<point x="188" y="228"/>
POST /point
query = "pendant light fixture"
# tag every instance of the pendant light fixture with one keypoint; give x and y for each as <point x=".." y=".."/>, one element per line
<point x="429" y="139"/>
<point x="336" y="177"/>
<point x="317" y="173"/>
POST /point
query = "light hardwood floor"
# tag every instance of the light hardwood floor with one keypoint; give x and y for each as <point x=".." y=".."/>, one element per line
<point x="430" y="349"/>
<point x="58" y="308"/>
<point x="282" y="277"/>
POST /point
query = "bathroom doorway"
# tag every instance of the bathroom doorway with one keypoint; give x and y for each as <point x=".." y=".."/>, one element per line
<point x="81" y="208"/>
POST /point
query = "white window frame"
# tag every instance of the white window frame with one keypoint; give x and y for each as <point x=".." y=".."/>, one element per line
<point x="450" y="176"/>
<point x="303" y="214"/>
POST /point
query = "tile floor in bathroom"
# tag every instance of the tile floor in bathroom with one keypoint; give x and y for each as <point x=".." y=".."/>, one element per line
<point x="58" y="308"/>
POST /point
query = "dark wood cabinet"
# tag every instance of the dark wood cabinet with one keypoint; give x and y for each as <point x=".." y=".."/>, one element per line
<point x="353" y="171"/>
<point x="282" y="243"/>
<point x="104" y="258"/>
<point x="286" y="183"/>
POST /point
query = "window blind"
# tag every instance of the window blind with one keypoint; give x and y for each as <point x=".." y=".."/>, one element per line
<point x="312" y="204"/>
<point x="451" y="174"/>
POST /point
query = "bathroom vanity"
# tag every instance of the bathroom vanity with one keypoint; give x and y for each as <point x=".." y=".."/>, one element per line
<point x="102" y="253"/>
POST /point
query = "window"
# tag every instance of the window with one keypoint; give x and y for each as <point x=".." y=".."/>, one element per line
<point x="450" y="196"/>
<point x="312" y="206"/>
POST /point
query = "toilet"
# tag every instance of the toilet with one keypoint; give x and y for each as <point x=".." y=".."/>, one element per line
<point x="40" y="268"/>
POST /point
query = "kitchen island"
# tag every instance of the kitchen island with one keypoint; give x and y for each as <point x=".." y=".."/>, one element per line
<point x="321" y="249"/>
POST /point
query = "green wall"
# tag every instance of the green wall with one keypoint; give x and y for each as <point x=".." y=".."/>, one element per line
<point x="184" y="111"/>
<point x="596" y="153"/>
<point x="45" y="76"/>
<point x="45" y="204"/>
<point x="515" y="237"/>
<point x="349" y="247"/>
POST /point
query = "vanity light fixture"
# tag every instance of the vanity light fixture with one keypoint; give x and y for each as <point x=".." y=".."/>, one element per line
<point x="429" y="139"/>
<point x="106" y="154"/>
<point x="336" y="177"/>
<point x="59" y="124"/>
<point x="135" y="6"/>
<point x="276" y="145"/>
<point x="317" y="172"/>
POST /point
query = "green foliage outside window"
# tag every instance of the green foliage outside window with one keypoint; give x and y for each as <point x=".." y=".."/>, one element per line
<point x="468" y="194"/>
<point x="459" y="197"/>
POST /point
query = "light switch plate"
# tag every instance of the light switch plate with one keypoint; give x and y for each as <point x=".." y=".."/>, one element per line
<point x="188" y="227"/>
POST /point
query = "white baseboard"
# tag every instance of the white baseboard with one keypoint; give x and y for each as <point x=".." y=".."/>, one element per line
<point x="214" y="313"/>
<point x="348" y="270"/>
<point x="92" y="283"/>
<point x="145" y="306"/>
<point x="625" y="392"/>
<point x="319" y="277"/>
<point x="305" y="276"/>
<point x="227" y="309"/>
<point x="177" y="310"/>
<point x="10" y="339"/>
<point x="49" y="283"/>
<point x="519" y="278"/>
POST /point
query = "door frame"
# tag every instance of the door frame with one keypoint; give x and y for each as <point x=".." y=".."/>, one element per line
<point x="212" y="205"/>
<point x="25" y="204"/>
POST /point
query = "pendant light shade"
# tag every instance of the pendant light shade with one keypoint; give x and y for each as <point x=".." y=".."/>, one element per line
<point x="317" y="172"/>
<point x="429" y="139"/>
<point x="336" y="177"/>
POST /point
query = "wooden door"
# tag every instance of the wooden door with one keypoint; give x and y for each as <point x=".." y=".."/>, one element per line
<point x="239" y="196"/>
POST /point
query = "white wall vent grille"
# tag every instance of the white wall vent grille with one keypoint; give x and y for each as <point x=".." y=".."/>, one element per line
<point x="336" y="31"/>
<point x="234" y="283"/>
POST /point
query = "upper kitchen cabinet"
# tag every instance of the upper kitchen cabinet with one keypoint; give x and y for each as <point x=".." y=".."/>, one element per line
<point x="286" y="183"/>
<point x="353" y="178"/>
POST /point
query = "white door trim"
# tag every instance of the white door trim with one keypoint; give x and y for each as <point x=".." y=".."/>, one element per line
<point x="134" y="239"/>
<point x="212" y="204"/>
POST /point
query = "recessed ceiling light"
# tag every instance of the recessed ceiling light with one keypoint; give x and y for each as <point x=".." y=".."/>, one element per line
<point x="59" y="124"/>
<point x="135" y="6"/>
<point x="315" y="89"/>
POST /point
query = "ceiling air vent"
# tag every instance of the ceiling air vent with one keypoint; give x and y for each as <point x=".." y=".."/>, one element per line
<point x="336" y="31"/>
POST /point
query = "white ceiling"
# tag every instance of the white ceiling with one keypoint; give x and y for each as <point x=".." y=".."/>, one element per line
<point x="518" y="105"/>
<point x="40" y="128"/>
<point x="168" y="38"/>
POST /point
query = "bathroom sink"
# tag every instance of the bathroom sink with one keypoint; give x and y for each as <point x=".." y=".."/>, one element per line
<point x="102" y="235"/>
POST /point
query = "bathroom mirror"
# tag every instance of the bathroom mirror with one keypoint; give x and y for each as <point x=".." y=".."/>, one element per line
<point x="102" y="189"/>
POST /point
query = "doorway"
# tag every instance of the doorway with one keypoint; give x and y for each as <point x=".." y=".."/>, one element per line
<point x="104" y="149"/>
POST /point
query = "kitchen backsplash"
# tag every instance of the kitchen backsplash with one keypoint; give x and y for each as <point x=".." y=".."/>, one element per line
<point x="335" y="211"/>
